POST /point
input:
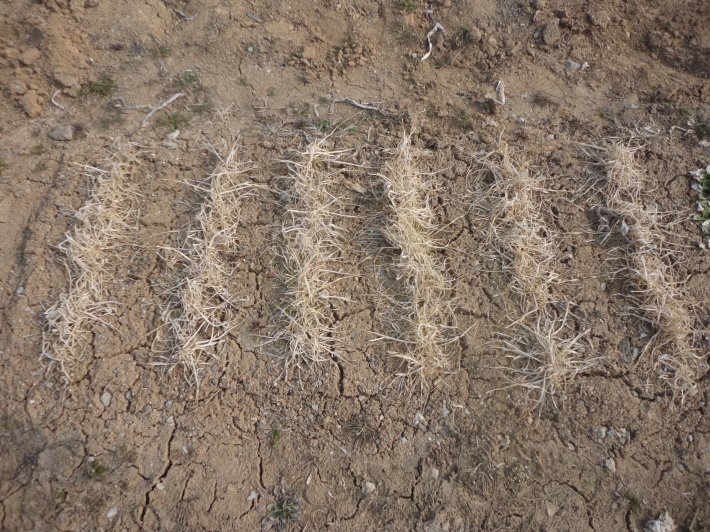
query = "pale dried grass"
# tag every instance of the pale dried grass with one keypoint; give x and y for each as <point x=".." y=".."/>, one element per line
<point x="91" y="253"/>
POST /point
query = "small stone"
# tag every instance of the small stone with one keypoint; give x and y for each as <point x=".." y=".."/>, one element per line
<point x="681" y="468"/>
<point x="314" y="407"/>
<point x="61" y="133"/>
<point x="91" y="3"/>
<point x="147" y="409"/>
<point x="599" y="17"/>
<point x="475" y="34"/>
<point x="551" y="32"/>
<point x="106" y="398"/>
<point x="160" y="486"/>
<point x="129" y="395"/>
<point x="168" y="404"/>
<point x="689" y="437"/>
<point x="434" y="473"/>
<point x="368" y="488"/>
<point x="504" y="441"/>
<point x="30" y="56"/>
<point x="20" y="291"/>
<point x="171" y="145"/>
<point x="112" y="512"/>
<point x="610" y="464"/>
<point x="250" y="49"/>
<point x="572" y="65"/>
<point x="538" y="4"/>
<point x="664" y="523"/>
<point x="403" y="440"/>
<point x="66" y="80"/>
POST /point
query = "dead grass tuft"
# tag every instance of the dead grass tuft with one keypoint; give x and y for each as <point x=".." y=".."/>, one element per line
<point x="91" y="252"/>
<point x="204" y="299"/>
<point x="507" y="206"/>
<point x="648" y="264"/>
<point x="420" y="312"/>
<point x="313" y="245"/>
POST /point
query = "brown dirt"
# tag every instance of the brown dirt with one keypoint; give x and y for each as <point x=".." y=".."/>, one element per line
<point x="167" y="460"/>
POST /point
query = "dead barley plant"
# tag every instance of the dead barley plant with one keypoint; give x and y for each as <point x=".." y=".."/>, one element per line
<point x="313" y="244"/>
<point x="507" y="206"/>
<point x="203" y="302"/>
<point x="647" y="259"/>
<point x="91" y="253"/>
<point x="419" y="314"/>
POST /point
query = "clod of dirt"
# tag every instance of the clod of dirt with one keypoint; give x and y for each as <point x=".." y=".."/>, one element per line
<point x="61" y="133"/>
<point x="30" y="56"/>
<point x="664" y="523"/>
<point x="551" y="32"/>
<point x="539" y="4"/>
<point x="32" y="104"/>
<point x="599" y="17"/>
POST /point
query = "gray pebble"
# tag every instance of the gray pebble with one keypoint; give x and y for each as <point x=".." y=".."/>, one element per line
<point x="129" y="395"/>
<point x="61" y="133"/>
<point x="572" y="65"/>
<point x="168" y="404"/>
<point x="20" y="291"/>
<point x="314" y="407"/>
<point x="601" y="433"/>
<point x="106" y="398"/>
<point x="112" y="512"/>
<point x="610" y="464"/>
<point x="368" y="488"/>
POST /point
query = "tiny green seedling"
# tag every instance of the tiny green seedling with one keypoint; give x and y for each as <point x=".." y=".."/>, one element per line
<point x="702" y="187"/>
<point x="188" y="79"/>
<point x="409" y="6"/>
<point x="275" y="435"/>
<point x="37" y="150"/>
<point x="174" y="121"/>
<point x="271" y="92"/>
<point x="403" y="33"/>
<point x="634" y="501"/>
<point x="202" y="108"/>
<point x="684" y="111"/>
<point x="362" y="429"/>
<point x="702" y="131"/>
<point x="96" y="471"/>
<point x="161" y="52"/>
<point x="103" y="87"/>
<point x="41" y="166"/>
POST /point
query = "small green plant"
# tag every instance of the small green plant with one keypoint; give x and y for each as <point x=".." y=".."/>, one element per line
<point x="284" y="508"/>
<point x="634" y="501"/>
<point x="161" y="52"/>
<point x="275" y="435"/>
<point x="103" y="87"/>
<point x="403" y="33"/>
<point x="174" y="121"/>
<point x="243" y="82"/>
<point x="362" y="429"/>
<point x="702" y="187"/>
<point x="684" y="111"/>
<point x="702" y="131"/>
<point x="630" y="13"/>
<point x="37" y="150"/>
<point x="203" y="108"/>
<point x="94" y="504"/>
<point x="325" y="126"/>
<point x="271" y="92"/>
<point x="409" y="6"/>
<point x="462" y="118"/>
<point x="96" y="471"/>
<point x="188" y="79"/>
<point x="41" y="166"/>
<point x="7" y="422"/>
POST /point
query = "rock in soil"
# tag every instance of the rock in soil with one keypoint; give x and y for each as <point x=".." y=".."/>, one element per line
<point x="61" y="133"/>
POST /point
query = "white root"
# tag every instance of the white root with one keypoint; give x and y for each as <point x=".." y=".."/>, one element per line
<point x="437" y="27"/>
<point x="161" y="106"/>
<point x="59" y="105"/>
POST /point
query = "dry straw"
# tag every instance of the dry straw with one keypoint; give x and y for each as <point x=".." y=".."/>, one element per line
<point x="419" y="313"/>
<point x="313" y="244"/>
<point x="507" y="207"/>
<point x="204" y="299"/>
<point x="91" y="253"/>
<point x="648" y="264"/>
